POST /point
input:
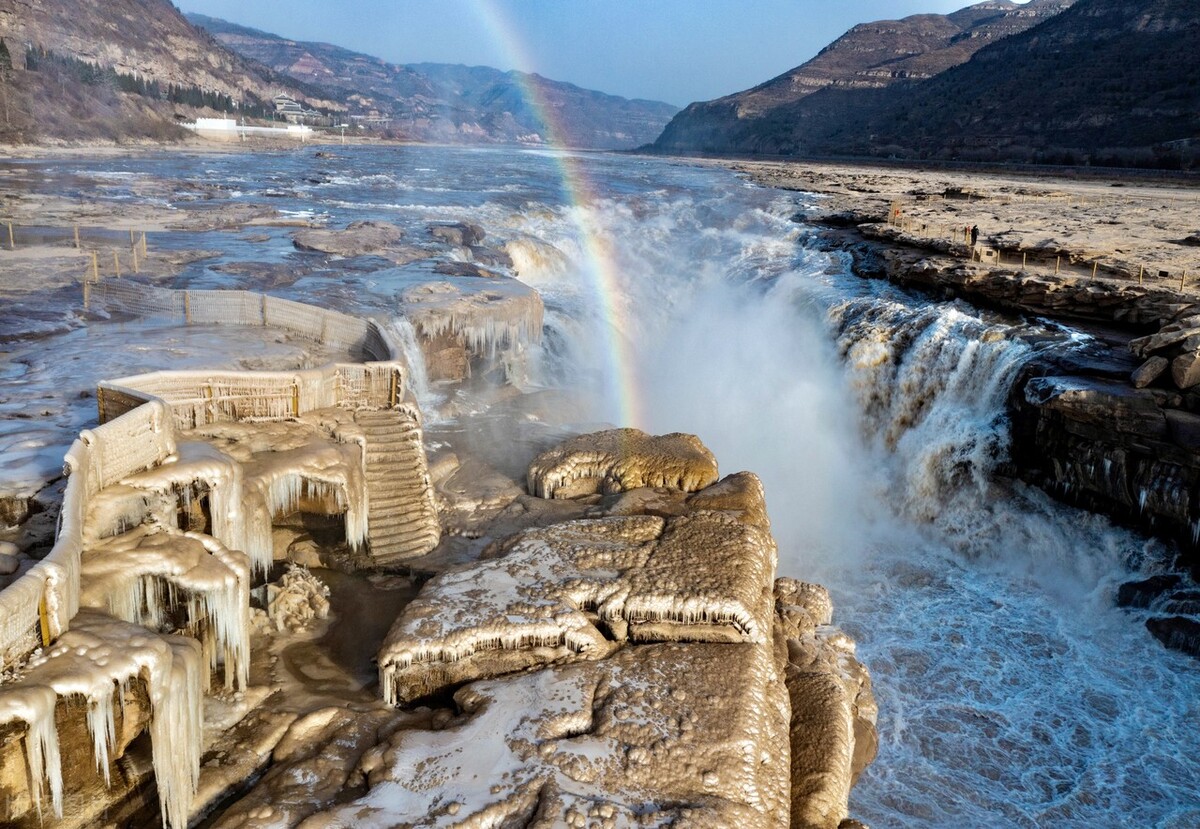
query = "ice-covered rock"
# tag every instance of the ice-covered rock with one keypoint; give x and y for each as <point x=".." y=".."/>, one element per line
<point x="833" y="710"/>
<point x="657" y="735"/>
<point x="473" y="323"/>
<point x="146" y="574"/>
<point x="622" y="459"/>
<point x="297" y="599"/>
<point x="573" y="590"/>
<point x="98" y="660"/>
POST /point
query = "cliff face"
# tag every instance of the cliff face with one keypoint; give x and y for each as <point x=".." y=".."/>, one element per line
<point x="444" y="102"/>
<point x="870" y="57"/>
<point x="147" y="40"/>
<point x="143" y="37"/>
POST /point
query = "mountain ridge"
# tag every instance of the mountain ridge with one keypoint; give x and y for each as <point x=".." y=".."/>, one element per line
<point x="1090" y="81"/>
<point x="452" y="102"/>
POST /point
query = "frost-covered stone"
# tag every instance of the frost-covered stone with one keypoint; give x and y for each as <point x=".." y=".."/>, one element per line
<point x="98" y="660"/>
<point x="621" y="459"/>
<point x="297" y="600"/>
<point x="833" y="710"/>
<point x="656" y="735"/>
<point x="571" y="590"/>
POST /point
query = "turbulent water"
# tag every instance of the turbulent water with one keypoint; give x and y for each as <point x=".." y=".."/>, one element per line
<point x="1012" y="692"/>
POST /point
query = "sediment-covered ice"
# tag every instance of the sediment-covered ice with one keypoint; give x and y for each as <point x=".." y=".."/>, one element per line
<point x="571" y="590"/>
<point x="658" y="735"/>
<point x="621" y="459"/>
<point x="97" y="660"/>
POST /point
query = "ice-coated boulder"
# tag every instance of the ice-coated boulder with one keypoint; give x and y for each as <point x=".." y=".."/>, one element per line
<point x="659" y="735"/>
<point x="574" y="590"/>
<point x="833" y="710"/>
<point x="618" y="460"/>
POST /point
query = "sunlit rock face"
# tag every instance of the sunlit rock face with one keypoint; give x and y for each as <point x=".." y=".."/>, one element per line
<point x="660" y="735"/>
<point x="574" y="590"/>
<point x="622" y="459"/>
<point x="833" y="711"/>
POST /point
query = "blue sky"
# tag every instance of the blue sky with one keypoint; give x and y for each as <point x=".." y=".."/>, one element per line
<point x="670" y="50"/>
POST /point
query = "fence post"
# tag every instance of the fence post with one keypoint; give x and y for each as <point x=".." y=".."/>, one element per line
<point x="1057" y="264"/>
<point x="145" y="251"/>
<point x="1182" y="279"/>
<point x="1095" y="267"/>
<point x="187" y="307"/>
<point x="117" y="263"/>
<point x="1024" y="259"/>
<point x="76" y="237"/>
<point x="295" y="396"/>
<point x="1141" y="272"/>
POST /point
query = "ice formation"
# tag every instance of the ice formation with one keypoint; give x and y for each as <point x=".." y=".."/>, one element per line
<point x="669" y="734"/>
<point x="128" y="540"/>
<point x="621" y="459"/>
<point x="571" y="590"/>
<point x="98" y="659"/>
<point x="297" y="600"/>
<point x="148" y="572"/>
<point x="504" y="314"/>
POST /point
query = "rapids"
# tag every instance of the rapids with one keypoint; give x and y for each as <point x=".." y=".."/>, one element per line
<point x="1012" y="691"/>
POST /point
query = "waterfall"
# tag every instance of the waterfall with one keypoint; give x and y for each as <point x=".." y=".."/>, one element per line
<point x="418" y="377"/>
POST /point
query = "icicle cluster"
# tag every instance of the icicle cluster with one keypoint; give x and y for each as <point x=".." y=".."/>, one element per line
<point x="98" y="660"/>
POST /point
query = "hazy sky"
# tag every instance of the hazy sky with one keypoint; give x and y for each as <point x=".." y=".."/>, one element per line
<point x="669" y="50"/>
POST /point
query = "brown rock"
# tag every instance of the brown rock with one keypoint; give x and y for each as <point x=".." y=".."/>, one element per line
<point x="1149" y="371"/>
<point x="358" y="239"/>
<point x="1185" y="370"/>
<point x="618" y="460"/>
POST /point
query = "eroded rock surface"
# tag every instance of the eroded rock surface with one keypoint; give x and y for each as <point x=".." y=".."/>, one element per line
<point x="573" y="590"/>
<point x="358" y="239"/>
<point x="657" y="735"/>
<point x="622" y="459"/>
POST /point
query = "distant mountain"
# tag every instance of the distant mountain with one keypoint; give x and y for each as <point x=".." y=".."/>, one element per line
<point x="1092" y="81"/>
<point x="453" y="103"/>
<point x="105" y="69"/>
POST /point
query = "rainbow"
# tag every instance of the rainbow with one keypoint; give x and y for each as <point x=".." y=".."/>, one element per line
<point x="600" y="263"/>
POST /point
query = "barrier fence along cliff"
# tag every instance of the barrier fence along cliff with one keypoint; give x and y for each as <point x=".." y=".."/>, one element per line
<point x="139" y="417"/>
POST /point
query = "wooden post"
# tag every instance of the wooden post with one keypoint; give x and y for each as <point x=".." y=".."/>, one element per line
<point x="95" y="267"/>
<point x="1141" y="272"/>
<point x="117" y="263"/>
<point x="1024" y="259"/>
<point x="12" y="242"/>
<point x="1182" y="279"/>
<point x="44" y="620"/>
<point x="1095" y="267"/>
<point x="1057" y="263"/>
<point x="145" y="253"/>
<point x="87" y="292"/>
<point x="76" y="237"/>
<point x="135" y="262"/>
<point x="132" y="241"/>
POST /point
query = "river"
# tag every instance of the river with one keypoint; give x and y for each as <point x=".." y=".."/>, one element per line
<point x="1012" y="691"/>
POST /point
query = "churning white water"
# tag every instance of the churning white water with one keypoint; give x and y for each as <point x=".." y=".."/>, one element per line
<point x="1012" y="692"/>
